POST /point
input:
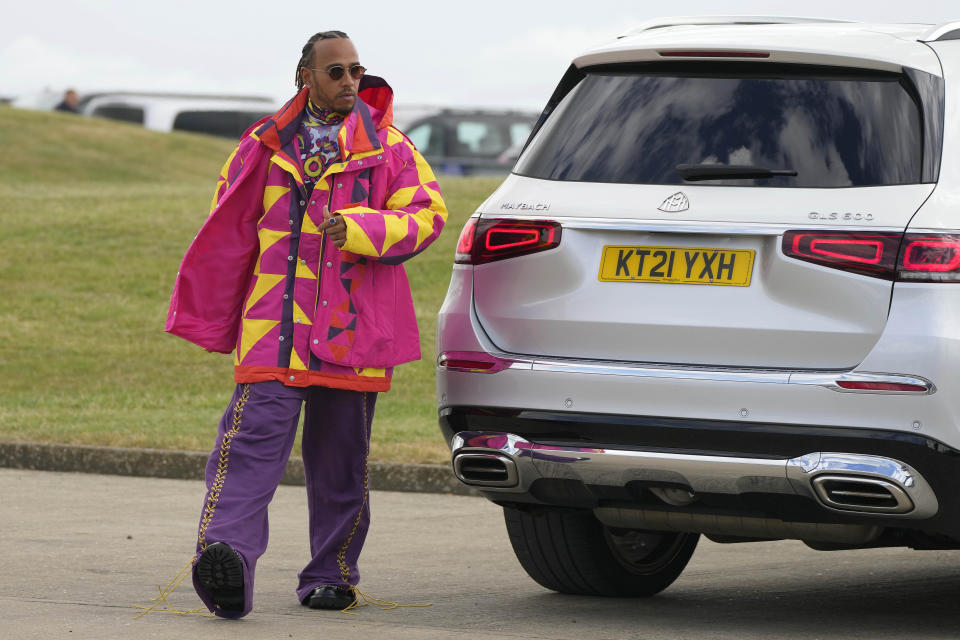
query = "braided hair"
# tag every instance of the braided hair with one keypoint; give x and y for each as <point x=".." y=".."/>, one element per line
<point x="306" y="58"/>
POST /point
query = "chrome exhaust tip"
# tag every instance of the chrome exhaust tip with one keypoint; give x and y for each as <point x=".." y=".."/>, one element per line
<point x="485" y="469"/>
<point x="862" y="493"/>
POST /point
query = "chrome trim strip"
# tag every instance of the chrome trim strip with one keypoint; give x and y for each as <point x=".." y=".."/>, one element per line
<point x="683" y="226"/>
<point x="658" y="371"/>
<point x="825" y="379"/>
<point x="701" y="473"/>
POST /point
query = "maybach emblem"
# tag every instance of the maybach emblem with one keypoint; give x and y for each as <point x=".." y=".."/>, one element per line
<point x="526" y="206"/>
<point x="676" y="202"/>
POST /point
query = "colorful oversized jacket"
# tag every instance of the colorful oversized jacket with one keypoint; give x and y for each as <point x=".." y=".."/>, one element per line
<point x="260" y="280"/>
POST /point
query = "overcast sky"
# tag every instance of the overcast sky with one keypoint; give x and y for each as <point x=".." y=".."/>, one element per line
<point x="505" y="53"/>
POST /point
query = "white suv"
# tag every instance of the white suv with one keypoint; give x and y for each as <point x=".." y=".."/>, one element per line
<point x="719" y="295"/>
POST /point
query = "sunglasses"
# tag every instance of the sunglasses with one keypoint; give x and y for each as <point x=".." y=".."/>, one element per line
<point x="336" y="71"/>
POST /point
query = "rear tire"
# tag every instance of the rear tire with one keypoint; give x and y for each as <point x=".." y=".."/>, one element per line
<point x="572" y="552"/>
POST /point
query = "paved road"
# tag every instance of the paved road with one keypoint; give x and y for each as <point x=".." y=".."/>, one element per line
<point x="77" y="550"/>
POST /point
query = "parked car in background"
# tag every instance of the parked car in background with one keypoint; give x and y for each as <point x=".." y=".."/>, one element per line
<point x="468" y="141"/>
<point x="226" y="116"/>
<point x="718" y="296"/>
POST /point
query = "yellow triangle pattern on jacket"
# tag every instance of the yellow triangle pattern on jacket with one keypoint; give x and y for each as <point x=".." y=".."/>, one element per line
<point x="270" y="196"/>
<point x="295" y="361"/>
<point x="268" y="238"/>
<point x="395" y="230"/>
<point x="265" y="282"/>
<point x="298" y="314"/>
<point x="358" y="240"/>
<point x="253" y="331"/>
<point x="303" y="271"/>
<point x="402" y="197"/>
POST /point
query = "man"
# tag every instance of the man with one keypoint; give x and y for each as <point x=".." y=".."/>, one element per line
<point x="298" y="271"/>
<point x="69" y="102"/>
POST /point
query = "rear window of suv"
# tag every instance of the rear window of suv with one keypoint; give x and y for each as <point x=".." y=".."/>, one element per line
<point x="636" y="124"/>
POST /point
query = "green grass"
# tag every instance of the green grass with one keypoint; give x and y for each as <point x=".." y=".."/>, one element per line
<point x="94" y="219"/>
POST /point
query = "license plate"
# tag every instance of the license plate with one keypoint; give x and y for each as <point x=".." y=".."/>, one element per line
<point x="677" y="265"/>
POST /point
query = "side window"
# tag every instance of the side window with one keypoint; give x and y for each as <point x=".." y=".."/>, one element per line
<point x="519" y="132"/>
<point x="228" y="124"/>
<point x="476" y="138"/>
<point x="427" y="138"/>
<point x="123" y="112"/>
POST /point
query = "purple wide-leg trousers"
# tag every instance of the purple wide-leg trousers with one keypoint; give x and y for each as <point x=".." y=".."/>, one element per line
<point x="254" y="440"/>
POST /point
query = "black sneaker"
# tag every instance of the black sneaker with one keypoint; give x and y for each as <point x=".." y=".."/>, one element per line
<point x="219" y="571"/>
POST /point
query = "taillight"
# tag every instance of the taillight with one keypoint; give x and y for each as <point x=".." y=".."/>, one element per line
<point x="930" y="258"/>
<point x="915" y="257"/>
<point x="465" y="242"/>
<point x="487" y="240"/>
<point x="872" y="254"/>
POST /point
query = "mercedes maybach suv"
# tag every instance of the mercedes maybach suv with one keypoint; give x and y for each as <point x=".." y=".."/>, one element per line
<point x="719" y="294"/>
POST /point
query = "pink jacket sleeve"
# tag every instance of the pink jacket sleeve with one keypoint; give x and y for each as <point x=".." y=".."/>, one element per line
<point x="414" y="212"/>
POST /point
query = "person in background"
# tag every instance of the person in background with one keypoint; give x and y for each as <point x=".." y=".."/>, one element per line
<point x="298" y="271"/>
<point x="69" y="102"/>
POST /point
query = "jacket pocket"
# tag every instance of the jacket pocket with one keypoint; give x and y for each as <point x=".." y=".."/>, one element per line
<point x="376" y="303"/>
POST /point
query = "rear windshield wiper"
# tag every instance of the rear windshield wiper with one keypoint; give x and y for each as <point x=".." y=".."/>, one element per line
<point x="693" y="172"/>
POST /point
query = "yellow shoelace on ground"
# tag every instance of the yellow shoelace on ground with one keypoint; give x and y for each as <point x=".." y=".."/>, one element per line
<point x="364" y="599"/>
<point x="161" y="598"/>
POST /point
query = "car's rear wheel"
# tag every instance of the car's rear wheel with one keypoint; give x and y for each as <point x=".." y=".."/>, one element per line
<point x="572" y="552"/>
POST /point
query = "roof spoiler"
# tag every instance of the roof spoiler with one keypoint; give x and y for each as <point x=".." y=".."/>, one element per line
<point x="660" y="23"/>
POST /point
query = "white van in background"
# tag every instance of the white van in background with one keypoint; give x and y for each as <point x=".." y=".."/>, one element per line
<point x="226" y="116"/>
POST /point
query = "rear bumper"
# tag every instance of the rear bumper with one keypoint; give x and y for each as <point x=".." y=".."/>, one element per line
<point x="919" y="347"/>
<point x="672" y="469"/>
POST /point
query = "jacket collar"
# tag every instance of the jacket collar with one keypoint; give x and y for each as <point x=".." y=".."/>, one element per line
<point x="373" y="110"/>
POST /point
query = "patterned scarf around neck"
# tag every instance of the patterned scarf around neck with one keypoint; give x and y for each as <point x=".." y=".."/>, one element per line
<point x="317" y="137"/>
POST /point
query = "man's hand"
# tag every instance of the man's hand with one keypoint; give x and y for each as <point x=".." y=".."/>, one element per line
<point x="334" y="227"/>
